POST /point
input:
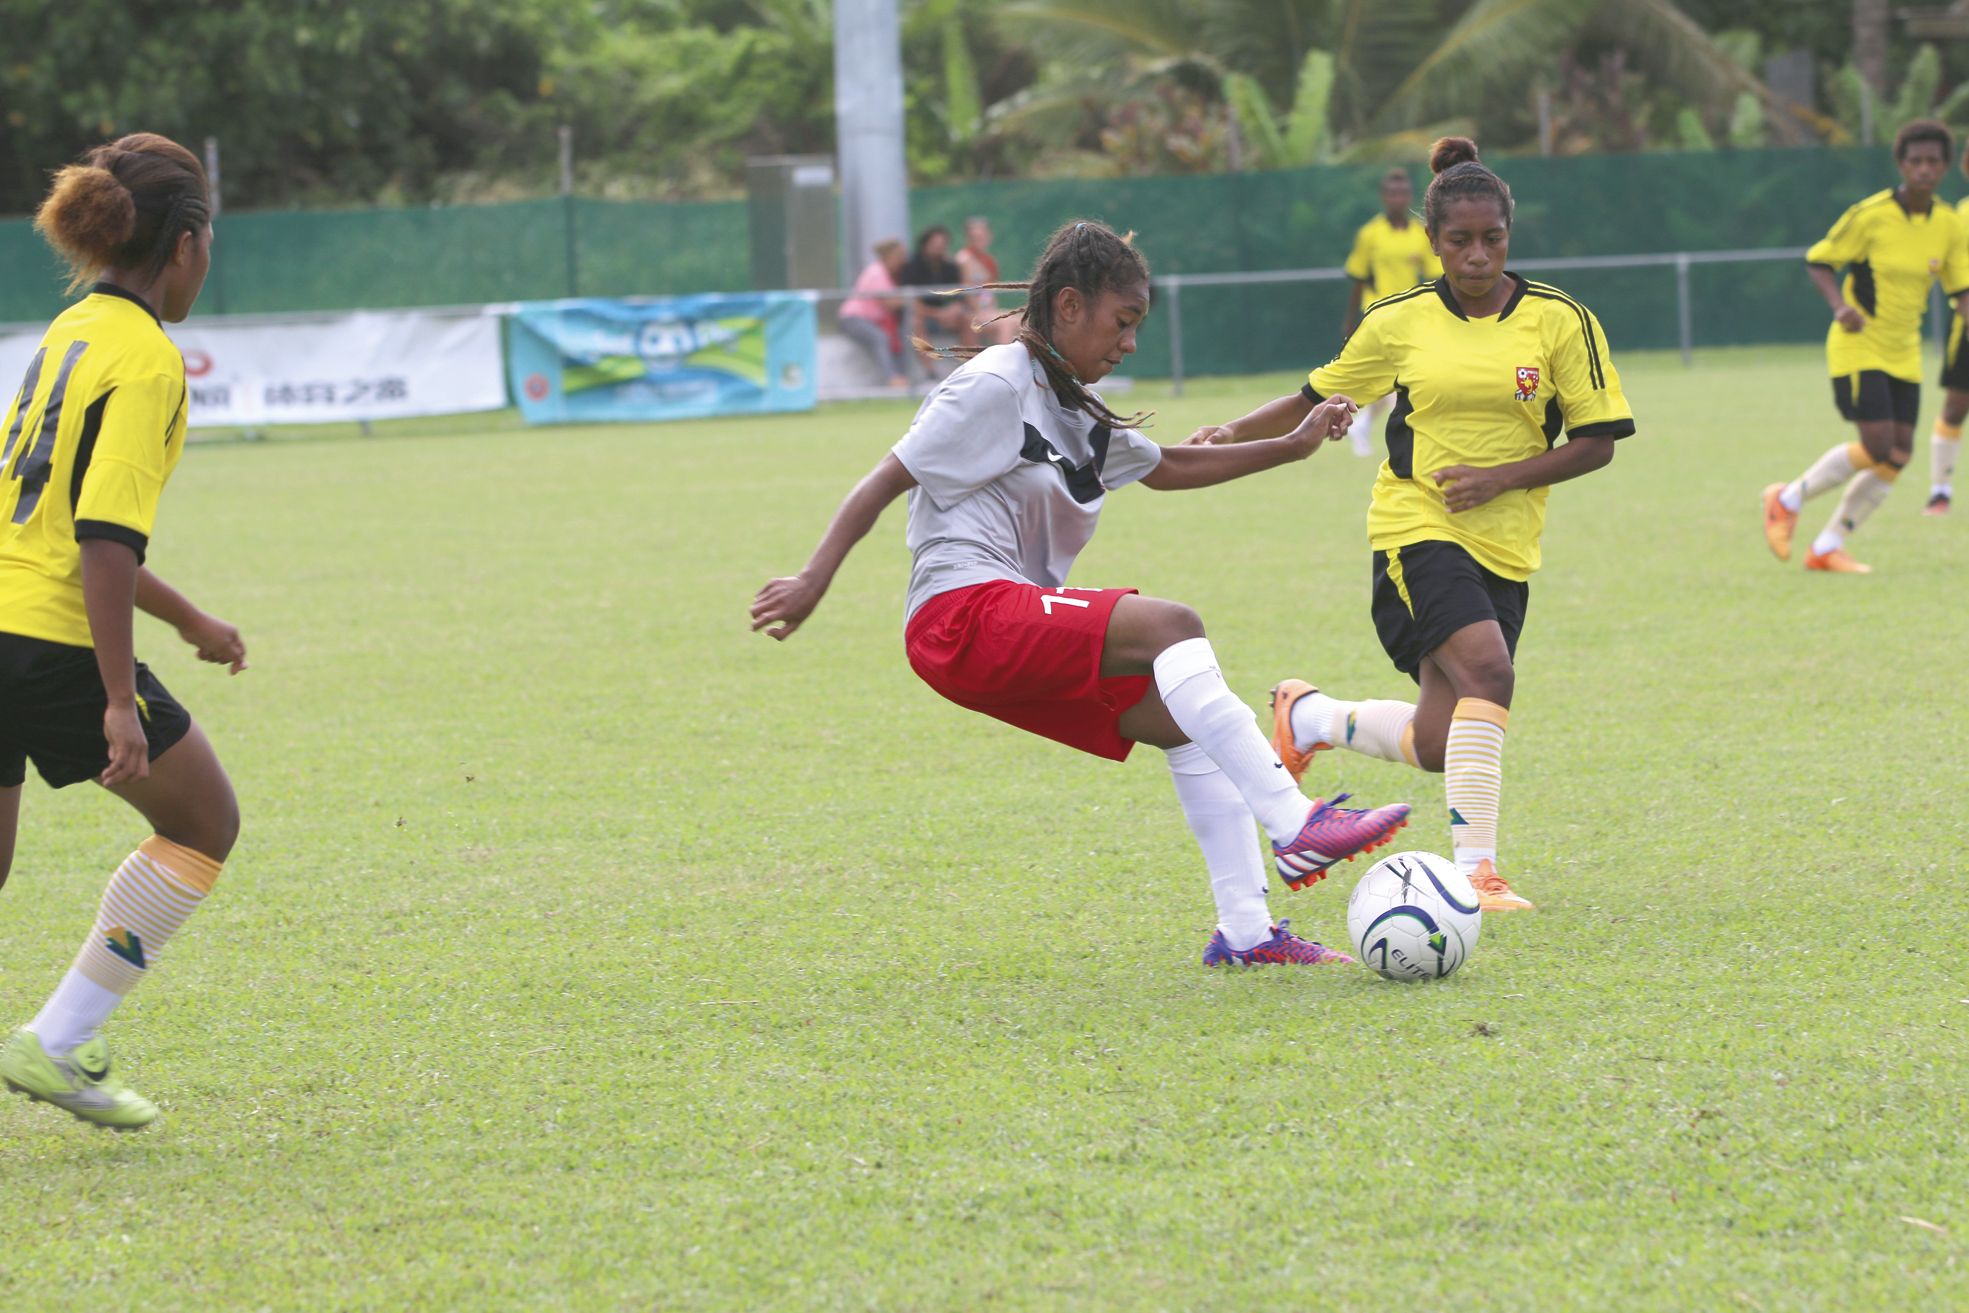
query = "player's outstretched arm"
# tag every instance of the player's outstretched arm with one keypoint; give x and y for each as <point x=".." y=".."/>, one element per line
<point x="214" y="639"/>
<point x="784" y="603"/>
<point x="1199" y="465"/>
<point x="1274" y="419"/>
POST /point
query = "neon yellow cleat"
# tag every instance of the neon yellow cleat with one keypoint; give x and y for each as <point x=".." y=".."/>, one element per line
<point x="78" y="1082"/>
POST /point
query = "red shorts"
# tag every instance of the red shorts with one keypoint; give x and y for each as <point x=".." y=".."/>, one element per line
<point x="1028" y="656"/>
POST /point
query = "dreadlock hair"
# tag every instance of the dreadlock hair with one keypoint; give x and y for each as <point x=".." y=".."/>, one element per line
<point x="1092" y="258"/>
<point x="124" y="206"/>
<point x="1459" y="177"/>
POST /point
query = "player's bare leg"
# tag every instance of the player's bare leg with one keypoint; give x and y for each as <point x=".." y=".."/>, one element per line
<point x="10" y="816"/>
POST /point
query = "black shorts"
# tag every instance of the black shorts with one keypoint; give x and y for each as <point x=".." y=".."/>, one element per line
<point x="1873" y="394"/>
<point x="1955" y="361"/>
<point x="51" y="712"/>
<point x="1427" y="591"/>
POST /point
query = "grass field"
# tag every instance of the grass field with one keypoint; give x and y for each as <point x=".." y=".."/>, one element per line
<point x="584" y="950"/>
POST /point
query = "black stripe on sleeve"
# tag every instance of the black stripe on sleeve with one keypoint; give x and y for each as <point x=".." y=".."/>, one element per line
<point x="1604" y="428"/>
<point x="116" y="533"/>
<point x="1310" y="395"/>
<point x="1598" y="375"/>
<point x="85" y="451"/>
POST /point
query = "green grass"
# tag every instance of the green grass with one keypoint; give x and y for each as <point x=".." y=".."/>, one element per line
<point x="585" y="950"/>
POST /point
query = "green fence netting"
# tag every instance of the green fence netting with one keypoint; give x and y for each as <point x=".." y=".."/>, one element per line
<point x="1605" y="205"/>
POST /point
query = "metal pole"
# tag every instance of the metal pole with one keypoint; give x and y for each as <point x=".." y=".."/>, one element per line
<point x="1173" y="285"/>
<point x="216" y="283"/>
<point x="1685" y="314"/>
<point x="567" y="207"/>
<point x="868" y="128"/>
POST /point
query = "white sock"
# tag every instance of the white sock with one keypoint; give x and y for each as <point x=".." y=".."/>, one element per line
<point x="1864" y="493"/>
<point x="1826" y="473"/>
<point x="1942" y="451"/>
<point x="74" y="1013"/>
<point x="1211" y="716"/>
<point x="1829" y="541"/>
<point x="1376" y="728"/>
<point x="1225" y="832"/>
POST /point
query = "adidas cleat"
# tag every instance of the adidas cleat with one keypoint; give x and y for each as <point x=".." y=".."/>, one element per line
<point x="1493" y="894"/>
<point x="78" y="1083"/>
<point x="1836" y="561"/>
<point x="1938" y="504"/>
<point x="1284" y="694"/>
<point x="1283" y="949"/>
<point x="1335" y="834"/>
<point x="1779" y="523"/>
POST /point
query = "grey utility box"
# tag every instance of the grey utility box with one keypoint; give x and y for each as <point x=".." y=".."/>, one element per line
<point x="791" y="199"/>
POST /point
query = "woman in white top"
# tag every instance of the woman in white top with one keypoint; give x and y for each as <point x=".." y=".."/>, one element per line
<point x="1007" y="466"/>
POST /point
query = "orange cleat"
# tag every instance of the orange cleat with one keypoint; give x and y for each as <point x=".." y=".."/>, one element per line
<point x="1284" y="694"/>
<point x="1836" y="561"/>
<point x="1779" y="523"/>
<point x="1493" y="895"/>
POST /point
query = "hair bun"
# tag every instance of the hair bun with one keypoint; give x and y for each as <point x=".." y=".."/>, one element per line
<point x="89" y="212"/>
<point x="1448" y="152"/>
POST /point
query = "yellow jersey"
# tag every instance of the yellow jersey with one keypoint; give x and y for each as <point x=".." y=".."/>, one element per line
<point x="1479" y="392"/>
<point x="1890" y="257"/>
<point x="97" y="428"/>
<point x="1387" y="259"/>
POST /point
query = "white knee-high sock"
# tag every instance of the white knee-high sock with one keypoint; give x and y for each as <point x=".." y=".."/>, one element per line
<point x="1827" y="472"/>
<point x="150" y="896"/>
<point x="1213" y="718"/>
<point x="1376" y="728"/>
<point x="1943" y="447"/>
<point x="1473" y="779"/>
<point x="1864" y="494"/>
<point x="1226" y="832"/>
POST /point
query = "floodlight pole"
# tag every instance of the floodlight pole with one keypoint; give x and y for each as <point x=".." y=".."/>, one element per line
<point x="868" y="128"/>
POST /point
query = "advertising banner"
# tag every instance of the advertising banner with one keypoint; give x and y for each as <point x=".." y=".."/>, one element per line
<point x="365" y="366"/>
<point x="676" y="358"/>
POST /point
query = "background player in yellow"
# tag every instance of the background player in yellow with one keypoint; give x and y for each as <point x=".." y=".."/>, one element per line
<point x="1391" y="254"/>
<point x="90" y="440"/>
<point x="1945" y="443"/>
<point x="1893" y="246"/>
<point x="1488" y="368"/>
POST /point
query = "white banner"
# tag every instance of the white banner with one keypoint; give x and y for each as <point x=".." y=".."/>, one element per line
<point x="389" y="364"/>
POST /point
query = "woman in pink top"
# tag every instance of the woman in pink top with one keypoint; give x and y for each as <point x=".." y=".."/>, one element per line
<point x="869" y="316"/>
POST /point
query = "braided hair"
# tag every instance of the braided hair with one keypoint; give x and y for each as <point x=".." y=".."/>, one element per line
<point x="1092" y="258"/>
<point x="1460" y="177"/>
<point x="124" y="205"/>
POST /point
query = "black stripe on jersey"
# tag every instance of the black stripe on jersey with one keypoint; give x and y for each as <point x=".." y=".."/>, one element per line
<point x="1395" y="299"/>
<point x="1554" y="421"/>
<point x="1864" y="292"/>
<point x="1083" y="481"/>
<point x="85" y="450"/>
<point x="1599" y="376"/>
<point x="1519" y="283"/>
<point x="111" y="289"/>
<point x="21" y="403"/>
<point x="1604" y="428"/>
<point x="116" y="533"/>
<point x="1401" y="438"/>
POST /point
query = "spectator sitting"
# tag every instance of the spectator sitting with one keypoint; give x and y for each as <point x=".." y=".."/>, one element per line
<point x="979" y="266"/>
<point x="872" y="318"/>
<point x="939" y="314"/>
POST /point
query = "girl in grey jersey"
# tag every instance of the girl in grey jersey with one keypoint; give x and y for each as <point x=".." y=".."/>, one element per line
<point x="1007" y="467"/>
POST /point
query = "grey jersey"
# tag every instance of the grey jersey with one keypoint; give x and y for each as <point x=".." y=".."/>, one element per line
<point x="1009" y="482"/>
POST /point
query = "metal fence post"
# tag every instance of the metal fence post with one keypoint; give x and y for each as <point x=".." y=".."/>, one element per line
<point x="567" y="208"/>
<point x="1173" y="284"/>
<point x="1685" y="314"/>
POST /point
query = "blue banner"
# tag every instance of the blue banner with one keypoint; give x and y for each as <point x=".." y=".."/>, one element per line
<point x="678" y="358"/>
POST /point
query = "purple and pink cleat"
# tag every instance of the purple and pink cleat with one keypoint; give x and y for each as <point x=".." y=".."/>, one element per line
<point x="1283" y="949"/>
<point x="1335" y="834"/>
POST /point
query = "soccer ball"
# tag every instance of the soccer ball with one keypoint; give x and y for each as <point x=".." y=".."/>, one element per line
<point x="1414" y="916"/>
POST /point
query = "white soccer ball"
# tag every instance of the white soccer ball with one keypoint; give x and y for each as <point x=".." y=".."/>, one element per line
<point x="1414" y="916"/>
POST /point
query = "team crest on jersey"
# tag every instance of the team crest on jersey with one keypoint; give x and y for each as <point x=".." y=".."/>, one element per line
<point x="1527" y="383"/>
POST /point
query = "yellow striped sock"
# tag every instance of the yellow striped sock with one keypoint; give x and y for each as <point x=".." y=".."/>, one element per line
<point x="1473" y="778"/>
<point x="148" y="898"/>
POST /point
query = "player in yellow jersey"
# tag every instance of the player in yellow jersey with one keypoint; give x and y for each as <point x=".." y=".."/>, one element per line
<point x="1893" y="245"/>
<point x="1391" y="254"/>
<point x="89" y="441"/>
<point x="1488" y="368"/>
<point x="1945" y="443"/>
